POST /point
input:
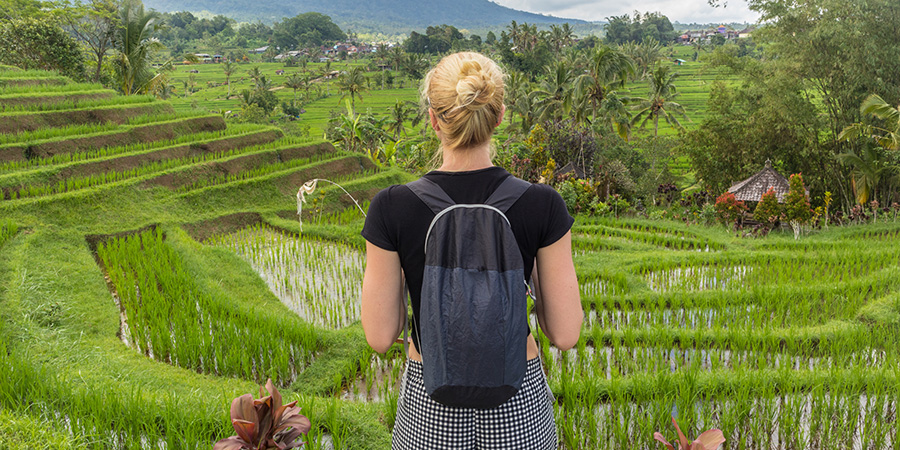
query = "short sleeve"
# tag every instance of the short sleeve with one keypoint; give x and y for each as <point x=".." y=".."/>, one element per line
<point x="377" y="229"/>
<point x="558" y="221"/>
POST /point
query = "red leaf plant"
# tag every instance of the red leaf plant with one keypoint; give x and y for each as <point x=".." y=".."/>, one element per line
<point x="708" y="440"/>
<point x="264" y="423"/>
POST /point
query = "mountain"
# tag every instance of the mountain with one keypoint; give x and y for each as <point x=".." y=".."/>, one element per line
<point x="373" y="14"/>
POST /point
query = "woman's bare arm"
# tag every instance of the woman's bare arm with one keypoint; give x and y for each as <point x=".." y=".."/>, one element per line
<point x="558" y="301"/>
<point x="383" y="306"/>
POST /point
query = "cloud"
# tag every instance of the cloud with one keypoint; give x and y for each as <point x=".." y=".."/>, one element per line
<point x="685" y="11"/>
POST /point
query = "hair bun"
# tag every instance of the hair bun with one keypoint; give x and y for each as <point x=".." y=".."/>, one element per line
<point x="474" y="88"/>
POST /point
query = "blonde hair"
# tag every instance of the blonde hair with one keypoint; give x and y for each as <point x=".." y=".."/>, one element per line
<point x="465" y="90"/>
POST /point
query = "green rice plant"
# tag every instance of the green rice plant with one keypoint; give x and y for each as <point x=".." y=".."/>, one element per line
<point x="64" y="101"/>
<point x="142" y="171"/>
<point x="9" y="89"/>
<point x="8" y="230"/>
<point x="172" y="319"/>
<point x="318" y="280"/>
<point x="107" y="152"/>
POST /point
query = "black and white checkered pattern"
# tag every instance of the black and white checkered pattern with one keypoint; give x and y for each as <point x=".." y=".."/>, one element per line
<point x="524" y="422"/>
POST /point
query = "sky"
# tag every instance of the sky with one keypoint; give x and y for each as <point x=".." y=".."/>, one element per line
<point x="685" y="11"/>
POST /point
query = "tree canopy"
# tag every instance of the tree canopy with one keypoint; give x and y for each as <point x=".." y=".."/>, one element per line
<point x="306" y="30"/>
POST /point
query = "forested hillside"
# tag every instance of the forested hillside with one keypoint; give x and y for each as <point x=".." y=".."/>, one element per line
<point x="367" y="14"/>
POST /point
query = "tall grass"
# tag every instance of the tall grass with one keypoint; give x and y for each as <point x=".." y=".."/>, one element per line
<point x="107" y="152"/>
<point x="318" y="280"/>
<point x="8" y="229"/>
<point x="170" y="318"/>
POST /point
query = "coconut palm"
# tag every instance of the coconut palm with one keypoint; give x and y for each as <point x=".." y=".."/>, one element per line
<point x="614" y="110"/>
<point x="229" y="68"/>
<point x="254" y="74"/>
<point x="294" y="82"/>
<point x="609" y="69"/>
<point x="414" y="66"/>
<point x="555" y="92"/>
<point x="352" y="83"/>
<point x="516" y="87"/>
<point x="561" y="36"/>
<point x="135" y="44"/>
<point x="399" y="113"/>
<point x="659" y="102"/>
<point x="888" y="137"/>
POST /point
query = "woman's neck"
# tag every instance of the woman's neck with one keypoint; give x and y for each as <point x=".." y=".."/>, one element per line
<point x="466" y="159"/>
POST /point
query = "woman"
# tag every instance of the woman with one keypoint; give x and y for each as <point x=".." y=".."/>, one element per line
<point x="464" y="94"/>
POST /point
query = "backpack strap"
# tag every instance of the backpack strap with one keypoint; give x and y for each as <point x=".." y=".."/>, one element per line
<point x="508" y="193"/>
<point x="431" y="194"/>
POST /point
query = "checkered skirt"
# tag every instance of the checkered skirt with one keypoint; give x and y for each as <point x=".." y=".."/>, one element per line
<point x="524" y="422"/>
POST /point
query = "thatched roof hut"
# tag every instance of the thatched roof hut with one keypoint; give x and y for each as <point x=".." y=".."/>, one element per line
<point x="752" y="189"/>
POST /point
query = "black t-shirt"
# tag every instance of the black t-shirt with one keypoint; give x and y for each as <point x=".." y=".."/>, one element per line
<point x="398" y="221"/>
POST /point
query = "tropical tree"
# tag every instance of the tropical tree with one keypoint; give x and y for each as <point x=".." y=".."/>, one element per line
<point x="516" y="87"/>
<point x="135" y="44"/>
<point x="414" y="66"/>
<point x="561" y="36"/>
<point x="254" y="73"/>
<point x="294" y="82"/>
<point x="94" y="24"/>
<point x="555" y="92"/>
<point x="33" y="43"/>
<point x="398" y="114"/>
<point x="868" y="171"/>
<point x="609" y="69"/>
<point x="229" y="68"/>
<point x="645" y="55"/>
<point x="659" y="102"/>
<point x="352" y="84"/>
<point x="875" y="106"/>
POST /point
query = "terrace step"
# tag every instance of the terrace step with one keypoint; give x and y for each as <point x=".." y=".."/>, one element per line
<point x="41" y="100"/>
<point x="12" y="186"/>
<point x="19" y="122"/>
<point x="131" y="135"/>
<point x="37" y="81"/>
<point x="220" y="172"/>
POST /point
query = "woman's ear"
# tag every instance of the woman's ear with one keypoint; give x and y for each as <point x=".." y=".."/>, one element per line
<point x="435" y="125"/>
<point x="502" y="113"/>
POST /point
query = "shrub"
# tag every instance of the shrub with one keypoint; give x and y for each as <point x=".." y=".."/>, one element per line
<point x="729" y="209"/>
<point x="767" y="211"/>
<point x="796" y="205"/>
<point x="32" y="43"/>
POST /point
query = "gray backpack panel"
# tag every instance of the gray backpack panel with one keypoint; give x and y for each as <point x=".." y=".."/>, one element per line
<point x="473" y="327"/>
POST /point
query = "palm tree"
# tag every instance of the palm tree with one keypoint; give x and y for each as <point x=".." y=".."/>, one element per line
<point x="868" y="171"/>
<point x="889" y="137"/>
<point x="659" y="101"/>
<point x="609" y="69"/>
<point x="555" y="92"/>
<point x="516" y="87"/>
<point x="399" y="113"/>
<point x="561" y="36"/>
<point x="645" y="55"/>
<point x="414" y="66"/>
<point x="294" y="82"/>
<point x="229" y="68"/>
<point x="352" y="84"/>
<point x="134" y="46"/>
<point x="254" y="74"/>
<point x="614" y="109"/>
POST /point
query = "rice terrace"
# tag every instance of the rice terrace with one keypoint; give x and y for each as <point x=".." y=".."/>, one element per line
<point x="153" y="266"/>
